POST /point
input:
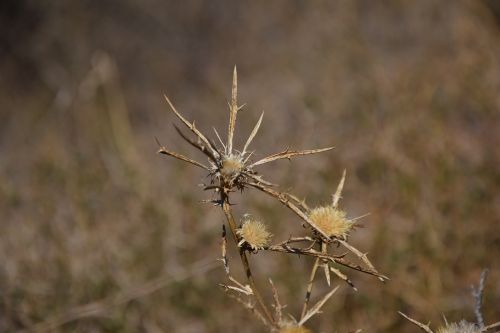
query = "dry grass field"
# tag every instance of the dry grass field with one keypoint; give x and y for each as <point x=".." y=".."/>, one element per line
<point x="98" y="233"/>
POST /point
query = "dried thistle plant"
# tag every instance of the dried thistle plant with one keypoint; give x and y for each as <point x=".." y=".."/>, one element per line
<point x="463" y="326"/>
<point x="327" y="227"/>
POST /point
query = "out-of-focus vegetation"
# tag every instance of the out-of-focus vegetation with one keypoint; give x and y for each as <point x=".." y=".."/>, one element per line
<point x="408" y="92"/>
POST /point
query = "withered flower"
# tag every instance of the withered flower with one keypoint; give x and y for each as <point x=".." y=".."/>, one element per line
<point x="228" y="167"/>
<point x="254" y="233"/>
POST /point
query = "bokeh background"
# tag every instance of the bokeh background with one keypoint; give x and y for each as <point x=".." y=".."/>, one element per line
<point x="100" y="234"/>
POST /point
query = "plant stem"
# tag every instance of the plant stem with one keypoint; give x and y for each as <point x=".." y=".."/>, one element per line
<point x="244" y="259"/>
<point x="309" y="287"/>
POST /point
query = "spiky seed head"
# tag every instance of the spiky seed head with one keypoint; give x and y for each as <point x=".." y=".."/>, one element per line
<point x="462" y="327"/>
<point x="294" y="329"/>
<point x="254" y="233"/>
<point x="331" y="221"/>
<point x="231" y="165"/>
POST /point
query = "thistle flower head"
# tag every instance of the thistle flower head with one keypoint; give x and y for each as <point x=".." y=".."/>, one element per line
<point x="229" y="167"/>
<point x="254" y="233"/>
<point x="462" y="327"/>
<point x="331" y="221"/>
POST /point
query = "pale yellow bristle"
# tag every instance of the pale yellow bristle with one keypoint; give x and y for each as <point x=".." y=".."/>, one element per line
<point x="462" y="327"/>
<point x="331" y="221"/>
<point x="254" y="233"/>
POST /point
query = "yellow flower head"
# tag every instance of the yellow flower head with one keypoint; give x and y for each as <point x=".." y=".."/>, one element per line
<point x="331" y="221"/>
<point x="254" y="233"/>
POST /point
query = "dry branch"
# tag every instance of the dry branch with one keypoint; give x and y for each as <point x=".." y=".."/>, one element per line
<point x="178" y="156"/>
<point x="285" y="199"/>
<point x="309" y="288"/>
<point x="317" y="307"/>
<point x="361" y="256"/>
<point x="288" y="154"/>
<point x="192" y="128"/>
<point x="423" y="327"/>
<point x="197" y="145"/>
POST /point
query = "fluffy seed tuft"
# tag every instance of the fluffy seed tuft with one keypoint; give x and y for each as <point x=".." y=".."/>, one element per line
<point x="462" y="327"/>
<point x="254" y="233"/>
<point x="331" y="221"/>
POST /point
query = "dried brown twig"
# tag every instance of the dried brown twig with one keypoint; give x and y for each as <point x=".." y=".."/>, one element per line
<point x="322" y="255"/>
<point x="422" y="326"/>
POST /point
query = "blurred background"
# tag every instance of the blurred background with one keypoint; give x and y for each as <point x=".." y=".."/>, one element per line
<point x="100" y="234"/>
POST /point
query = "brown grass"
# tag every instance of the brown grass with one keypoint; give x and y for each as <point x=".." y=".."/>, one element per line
<point x="406" y="91"/>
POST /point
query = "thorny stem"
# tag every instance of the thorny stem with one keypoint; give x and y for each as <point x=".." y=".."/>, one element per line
<point x="422" y="326"/>
<point x="287" y="201"/>
<point x="332" y="258"/>
<point x="250" y="308"/>
<point x="309" y="287"/>
<point x="277" y="304"/>
<point x="326" y="267"/>
<point x="489" y="327"/>
<point x="244" y="259"/>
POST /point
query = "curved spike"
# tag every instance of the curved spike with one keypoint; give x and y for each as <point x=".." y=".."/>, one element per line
<point x="338" y="193"/>
<point x="233" y="111"/>
<point x="252" y="135"/>
<point x="288" y="154"/>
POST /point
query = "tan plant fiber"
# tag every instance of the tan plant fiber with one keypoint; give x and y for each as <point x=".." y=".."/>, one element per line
<point x="231" y="165"/>
<point x="331" y="221"/>
<point x="295" y="329"/>
<point x="254" y="233"/>
<point x="462" y="327"/>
